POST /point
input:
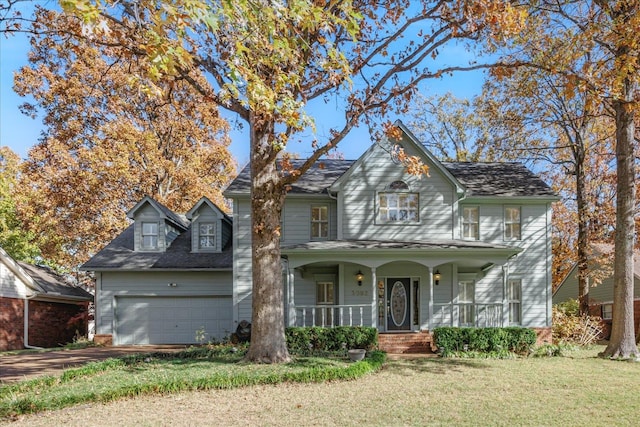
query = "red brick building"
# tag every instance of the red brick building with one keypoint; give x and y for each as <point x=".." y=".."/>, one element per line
<point x="38" y="308"/>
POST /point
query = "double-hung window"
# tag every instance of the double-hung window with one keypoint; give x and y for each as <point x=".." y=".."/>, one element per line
<point x="514" y="298"/>
<point x="607" y="311"/>
<point x="398" y="207"/>
<point x="470" y="222"/>
<point x="207" y="235"/>
<point x="512" y="223"/>
<point x="150" y="235"/>
<point x="319" y="222"/>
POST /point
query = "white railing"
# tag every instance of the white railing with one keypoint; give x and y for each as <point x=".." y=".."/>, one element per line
<point x="333" y="315"/>
<point x="475" y="315"/>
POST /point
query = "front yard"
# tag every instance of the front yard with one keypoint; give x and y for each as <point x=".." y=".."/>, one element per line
<point x="576" y="390"/>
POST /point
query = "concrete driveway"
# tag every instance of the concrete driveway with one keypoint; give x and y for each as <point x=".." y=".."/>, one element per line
<point x="30" y="365"/>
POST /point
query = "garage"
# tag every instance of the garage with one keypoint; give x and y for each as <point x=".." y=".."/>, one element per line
<point x="171" y="320"/>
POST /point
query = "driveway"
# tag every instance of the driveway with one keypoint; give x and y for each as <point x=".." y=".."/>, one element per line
<point x="29" y="365"/>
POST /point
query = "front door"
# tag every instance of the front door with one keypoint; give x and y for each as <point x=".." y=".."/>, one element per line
<point x="398" y="304"/>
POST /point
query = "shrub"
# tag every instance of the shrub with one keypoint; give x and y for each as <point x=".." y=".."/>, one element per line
<point x="498" y="341"/>
<point x="571" y="327"/>
<point x="314" y="340"/>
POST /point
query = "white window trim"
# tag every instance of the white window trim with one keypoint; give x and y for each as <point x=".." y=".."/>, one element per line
<point x="505" y="223"/>
<point x="156" y="234"/>
<point x="466" y="303"/>
<point x="463" y="223"/>
<point x="602" y="311"/>
<point x="397" y="222"/>
<point x="312" y="221"/>
<point x="214" y="235"/>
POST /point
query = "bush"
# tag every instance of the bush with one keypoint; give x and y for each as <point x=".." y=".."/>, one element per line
<point x="315" y="340"/>
<point x="499" y="341"/>
<point x="571" y="327"/>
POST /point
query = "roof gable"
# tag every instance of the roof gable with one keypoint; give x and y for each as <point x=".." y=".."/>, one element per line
<point x="205" y="203"/>
<point x="164" y="212"/>
<point x="43" y="281"/>
<point x="408" y="141"/>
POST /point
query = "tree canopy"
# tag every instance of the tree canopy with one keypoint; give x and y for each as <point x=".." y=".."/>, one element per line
<point x="109" y="141"/>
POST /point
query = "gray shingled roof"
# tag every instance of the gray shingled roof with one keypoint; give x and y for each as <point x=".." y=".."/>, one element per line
<point x="498" y="179"/>
<point x="119" y="254"/>
<point x="314" y="181"/>
<point x="53" y="284"/>
<point x="337" y="245"/>
<point x="480" y="179"/>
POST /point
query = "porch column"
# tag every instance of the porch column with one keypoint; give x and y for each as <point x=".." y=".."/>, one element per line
<point x="291" y="299"/>
<point x="505" y="304"/>
<point x="374" y="311"/>
<point x="430" y="282"/>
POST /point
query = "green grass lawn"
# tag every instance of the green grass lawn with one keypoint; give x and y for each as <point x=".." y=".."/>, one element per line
<point x="194" y="369"/>
<point x="579" y="389"/>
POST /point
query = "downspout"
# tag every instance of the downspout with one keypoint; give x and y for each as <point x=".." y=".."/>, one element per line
<point x="26" y="324"/>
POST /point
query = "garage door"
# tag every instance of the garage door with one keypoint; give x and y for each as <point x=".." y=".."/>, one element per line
<point x="175" y="320"/>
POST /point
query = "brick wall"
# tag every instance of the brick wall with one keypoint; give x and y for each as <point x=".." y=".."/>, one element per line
<point x="54" y="324"/>
<point x="596" y="310"/>
<point x="11" y="323"/>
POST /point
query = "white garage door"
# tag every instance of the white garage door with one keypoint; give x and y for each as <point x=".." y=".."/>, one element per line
<point x="175" y="320"/>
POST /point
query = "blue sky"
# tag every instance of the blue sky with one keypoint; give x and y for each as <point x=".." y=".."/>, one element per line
<point x="20" y="132"/>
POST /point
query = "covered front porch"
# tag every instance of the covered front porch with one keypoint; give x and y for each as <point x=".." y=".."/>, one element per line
<point x="399" y="286"/>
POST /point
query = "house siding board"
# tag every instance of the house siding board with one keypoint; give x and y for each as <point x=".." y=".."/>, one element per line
<point x="155" y="284"/>
<point x="242" y="259"/>
<point x="436" y="195"/>
<point x="11" y="286"/>
<point x="297" y="219"/>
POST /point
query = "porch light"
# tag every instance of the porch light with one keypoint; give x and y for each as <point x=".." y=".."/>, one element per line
<point x="436" y="277"/>
<point x="359" y="277"/>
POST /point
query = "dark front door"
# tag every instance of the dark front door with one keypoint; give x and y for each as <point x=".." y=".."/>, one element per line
<point x="398" y="304"/>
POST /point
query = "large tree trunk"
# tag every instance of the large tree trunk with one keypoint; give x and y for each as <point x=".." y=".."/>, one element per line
<point x="268" y="343"/>
<point x="622" y="343"/>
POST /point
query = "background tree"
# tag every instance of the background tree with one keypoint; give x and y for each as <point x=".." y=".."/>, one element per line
<point x="596" y="58"/>
<point x="463" y="130"/>
<point x="268" y="62"/>
<point x="569" y="134"/>
<point x="13" y="239"/>
<point x="108" y="142"/>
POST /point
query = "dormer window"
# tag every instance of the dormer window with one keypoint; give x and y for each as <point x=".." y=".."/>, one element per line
<point x="149" y="235"/>
<point x="207" y="235"/>
<point x="398" y="204"/>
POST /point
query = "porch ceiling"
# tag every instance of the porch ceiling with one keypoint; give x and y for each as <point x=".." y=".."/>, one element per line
<point x="374" y="253"/>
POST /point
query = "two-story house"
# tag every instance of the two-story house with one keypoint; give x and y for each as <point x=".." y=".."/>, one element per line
<point x="363" y="243"/>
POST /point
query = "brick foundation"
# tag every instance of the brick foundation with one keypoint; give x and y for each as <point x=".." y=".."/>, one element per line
<point x="103" y="339"/>
<point x="545" y="335"/>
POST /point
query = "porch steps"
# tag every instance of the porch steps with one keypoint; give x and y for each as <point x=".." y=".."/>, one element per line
<point x="401" y="343"/>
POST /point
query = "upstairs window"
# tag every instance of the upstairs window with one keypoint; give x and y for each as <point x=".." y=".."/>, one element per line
<point x="512" y="224"/>
<point x="319" y="222"/>
<point x="149" y="235"/>
<point x="607" y="311"/>
<point x="398" y="205"/>
<point x="207" y="235"/>
<point x="470" y="222"/>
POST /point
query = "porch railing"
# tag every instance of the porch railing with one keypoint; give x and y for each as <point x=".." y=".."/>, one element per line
<point x="465" y="314"/>
<point x="333" y="315"/>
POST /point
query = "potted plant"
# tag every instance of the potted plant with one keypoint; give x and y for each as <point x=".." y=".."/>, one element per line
<point x="357" y="354"/>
